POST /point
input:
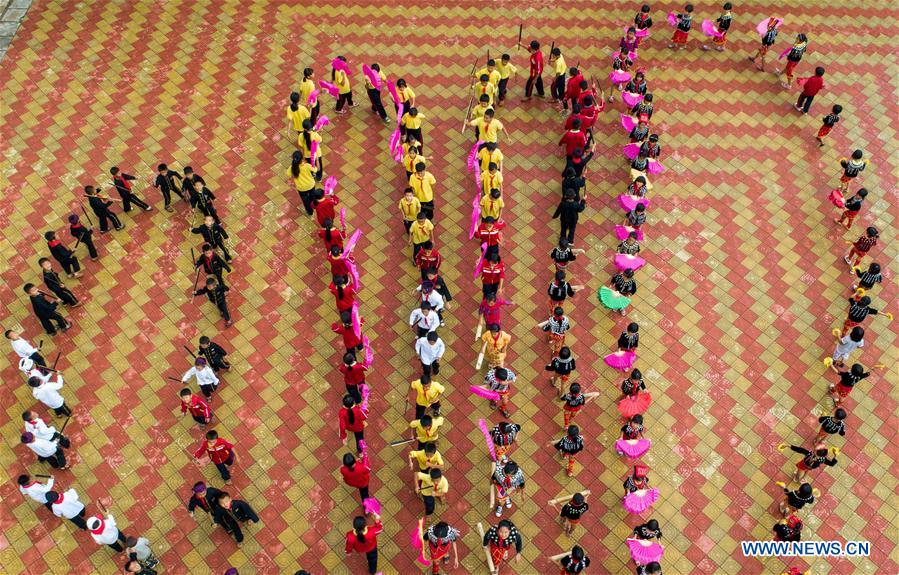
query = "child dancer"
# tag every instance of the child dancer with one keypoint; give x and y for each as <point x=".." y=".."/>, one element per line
<point x="374" y="94"/>
<point x="351" y="417"/>
<point x="867" y="279"/>
<point x="832" y="424"/>
<point x="353" y="376"/>
<point x="625" y="284"/>
<point x="827" y="124"/>
<point x="796" y="499"/>
<point x="630" y="246"/>
<point x="495" y="346"/>
<point x="633" y="429"/>
<point x="364" y="539"/>
<point x="440" y="537"/>
<point x="561" y="366"/>
<point x="500" y="380"/>
<point x="508" y="479"/>
<point x="722" y="24"/>
<point x="568" y="212"/>
<point x="59" y="289"/>
<point x="629" y="340"/>
<point x="643" y="21"/>
<point x="575" y="561"/>
<point x="500" y="539"/>
<point x="216" y="294"/>
<point x="848" y="379"/>
<point x="572" y="512"/>
<point x="409" y="207"/>
<point x="303" y="173"/>
<point x="637" y="481"/>
<point x="356" y="473"/>
<point x="861" y="247"/>
<point x="503" y="435"/>
<point x="794" y="56"/>
<point x="206" y="378"/>
<point x="768" y="39"/>
<point x="569" y="446"/>
<point x="559" y="290"/>
<point x="684" y="23"/>
<point x="220" y="452"/>
<point x="810" y="88"/>
<point x="535" y="77"/>
<point x="853" y="206"/>
<point x="555" y="327"/>
<point x="859" y="310"/>
<point x="811" y="460"/>
<point x="198" y="408"/>
<point x="846" y="345"/>
<point x="340" y="79"/>
<point x="573" y="402"/>
<point x="633" y="384"/>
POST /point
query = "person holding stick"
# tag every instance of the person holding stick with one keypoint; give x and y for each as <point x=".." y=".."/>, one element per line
<point x="216" y="294"/>
<point x="535" y="75"/>
<point x="34" y="489"/>
<point x="165" y="183"/>
<point x="66" y="505"/>
<point x="47" y="451"/>
<point x="426" y="430"/>
<point x="212" y="263"/>
<point x="214" y="354"/>
<point x="47" y="392"/>
<point x="569" y="446"/>
<point x="83" y="235"/>
<point x="100" y="205"/>
<point x="432" y="486"/>
<point x="24" y="349"/>
<point x="575" y="561"/>
<point x="427" y="458"/>
<point x="507" y="479"/>
<point x="55" y="285"/>
<point x="46" y="310"/>
<point x="63" y="255"/>
<point x="495" y="347"/>
<point x="499" y="540"/>
<point x="427" y="395"/>
<point x="572" y="511"/>
<point x="230" y="513"/>
<point x="36" y="426"/>
<point x="122" y="183"/>
<point x="503" y="435"/>
<point x="206" y="378"/>
<point x="214" y="235"/>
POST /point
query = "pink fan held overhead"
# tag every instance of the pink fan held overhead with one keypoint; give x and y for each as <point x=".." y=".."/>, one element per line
<point x="339" y="64"/>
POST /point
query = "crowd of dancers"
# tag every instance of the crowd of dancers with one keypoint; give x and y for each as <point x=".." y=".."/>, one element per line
<point x="581" y="102"/>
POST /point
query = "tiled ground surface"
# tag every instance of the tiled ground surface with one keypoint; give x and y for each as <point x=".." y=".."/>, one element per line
<point x="743" y="285"/>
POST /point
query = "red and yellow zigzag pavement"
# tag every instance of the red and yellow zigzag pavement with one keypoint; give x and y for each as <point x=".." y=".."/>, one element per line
<point x="744" y="282"/>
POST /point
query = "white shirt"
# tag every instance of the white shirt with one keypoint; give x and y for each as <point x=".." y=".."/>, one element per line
<point x="429" y="353"/>
<point x="434" y="298"/>
<point x="40" y="429"/>
<point x="35" y="372"/>
<point x="48" y="394"/>
<point x="430" y="322"/>
<point x="142" y="549"/>
<point x="109" y="534"/>
<point x="23" y="348"/>
<point x="37" y="490"/>
<point x="43" y="447"/>
<point x="205" y="376"/>
<point x="70" y="506"/>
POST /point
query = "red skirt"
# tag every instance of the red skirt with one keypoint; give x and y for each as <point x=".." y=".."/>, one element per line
<point x="802" y="466"/>
<point x="846" y="179"/>
<point x="824" y="131"/>
<point x="843" y="390"/>
<point x="790" y="67"/>
<point x="720" y="40"/>
<point x="680" y="37"/>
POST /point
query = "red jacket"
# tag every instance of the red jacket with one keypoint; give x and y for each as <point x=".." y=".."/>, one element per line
<point x="349" y="336"/>
<point x="338" y="264"/>
<point x="492" y="236"/>
<point x="573" y="141"/>
<point x="219" y="452"/>
<point x="370" y="543"/>
<point x="536" y="64"/>
<point x="197" y="407"/>
<point x="324" y="209"/>
<point x="358" y="424"/>
<point x="430" y="260"/>
<point x="493" y="275"/>
<point x="344" y="303"/>
<point x="573" y="88"/>
<point x="358" y="476"/>
<point x="353" y="375"/>
<point x="336" y="239"/>
<point x="812" y="85"/>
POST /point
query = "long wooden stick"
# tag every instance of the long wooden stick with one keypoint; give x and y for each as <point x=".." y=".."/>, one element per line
<point x="520" y="29"/>
<point x="87" y="215"/>
<point x="187" y="349"/>
<point x="398" y="442"/>
<point x="55" y="361"/>
<point x="558" y="500"/>
<point x="64" y="424"/>
<point x="486" y="549"/>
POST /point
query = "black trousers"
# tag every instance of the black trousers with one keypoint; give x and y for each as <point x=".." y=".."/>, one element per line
<point x="88" y="240"/>
<point x="558" y="87"/>
<point x="207" y="390"/>
<point x="47" y="322"/>
<point x="429" y="502"/>
<point x="363" y="493"/>
<point x="488" y="289"/>
<point x="804" y="102"/>
<point x="503" y="84"/>
<point x="70" y="265"/>
<point x="199" y="419"/>
<point x="306" y="198"/>
<point x="423" y="332"/>
<point x="491" y="250"/>
<point x="66" y="295"/>
<point x="529" y="87"/>
<point x="79" y="521"/>
<point x="223" y="467"/>
<point x="428" y="209"/>
<point x="119" y="544"/>
<point x="221" y="245"/>
<point x="38" y="359"/>
<point x="372" y="558"/>
<point x="63" y="411"/>
<point x="415" y="249"/>
<point x="374" y="96"/>
<point x="344" y="100"/>
<point x="167" y="195"/>
<point x="360" y="437"/>
<point x="105" y="217"/>
<point x="420" y="409"/>
<point x="313" y="113"/>
<point x="416" y="133"/>
<point x="56" y="461"/>
<point x="353" y="391"/>
<point x="129" y="198"/>
<point x="567" y="231"/>
<point x="223" y="309"/>
<point x="432" y="369"/>
<point x="63" y="440"/>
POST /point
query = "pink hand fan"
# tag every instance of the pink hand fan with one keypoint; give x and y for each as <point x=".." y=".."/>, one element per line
<point x="372" y="76"/>
<point x="621" y="232"/>
<point x="634" y="405"/>
<point x="640" y="500"/>
<point x="330" y="185"/>
<point x="709" y="29"/>
<point x="762" y="27"/>
<point x="313" y="150"/>
<point x="631" y="151"/>
<point x="619" y="76"/>
<point x="371" y="505"/>
<point x="418" y="542"/>
<point x="628" y="122"/>
<point x="343" y="218"/>
<point x="485" y="393"/>
<point x="357" y="322"/>
<point x="321" y="123"/>
<point x="630" y="202"/>
<point x="391" y="88"/>
<point x="487" y="438"/>
<point x="329" y="88"/>
<point x="672" y="19"/>
<point x="644" y="551"/>
<point x="366" y="393"/>
<point x="351" y="243"/>
<point x="473" y="155"/>
<point x="631" y="99"/>
<point x="623" y="360"/>
<point x="354" y="273"/>
<point x="369" y="352"/>
<point x="339" y="64"/>
<point x="475" y="216"/>
<point x="655" y="167"/>
<point x="628" y="262"/>
<point x="311" y="100"/>
<point x="836" y="198"/>
<point x="633" y="448"/>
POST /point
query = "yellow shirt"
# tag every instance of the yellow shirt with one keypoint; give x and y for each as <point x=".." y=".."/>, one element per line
<point x="410" y="209"/>
<point x="297" y="117"/>
<point x="491" y="207"/>
<point x="411" y="123"/>
<point x="427" y="487"/>
<point x="488" y="132"/>
<point x="560" y="68"/>
<point x="491" y="182"/>
<point x="342" y="82"/>
<point x="478" y="111"/>
<point x="480" y="89"/>
<point x="427" y="435"/>
<point x="406" y="94"/>
<point x="497" y="345"/>
<point x="370" y="86"/>
<point x="420" y="234"/>
<point x="423" y="187"/>
<point x="306" y="180"/>
<point x="423" y="397"/>
<point x="505" y="70"/>
<point x="306" y="88"/>
<point x="409" y="161"/>
<point x="487" y="157"/>
<point x="313" y="137"/>
<point x="493" y="77"/>
<point x="425" y="462"/>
